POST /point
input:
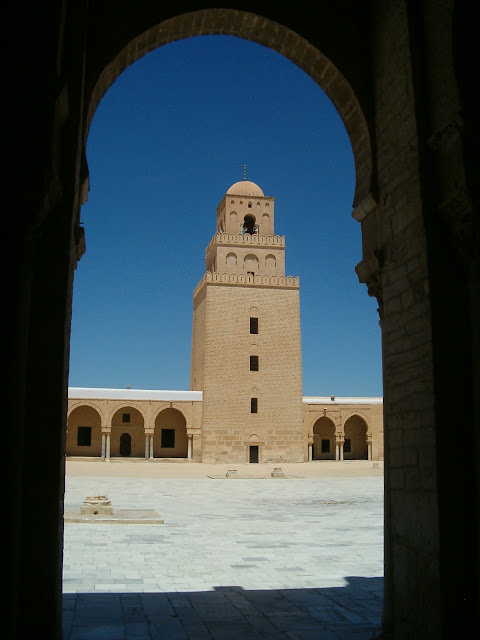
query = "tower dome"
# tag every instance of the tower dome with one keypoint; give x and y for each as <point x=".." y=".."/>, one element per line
<point x="245" y="188"/>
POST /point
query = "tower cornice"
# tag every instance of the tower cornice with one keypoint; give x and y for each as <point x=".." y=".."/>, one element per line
<point x="235" y="239"/>
<point x="247" y="280"/>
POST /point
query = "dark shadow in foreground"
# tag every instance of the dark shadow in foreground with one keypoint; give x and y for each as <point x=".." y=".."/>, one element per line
<point x="229" y="613"/>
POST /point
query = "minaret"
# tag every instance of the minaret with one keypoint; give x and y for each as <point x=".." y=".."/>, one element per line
<point x="246" y="349"/>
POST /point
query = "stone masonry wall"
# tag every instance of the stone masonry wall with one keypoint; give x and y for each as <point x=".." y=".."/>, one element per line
<point x="229" y="385"/>
<point x="411" y="536"/>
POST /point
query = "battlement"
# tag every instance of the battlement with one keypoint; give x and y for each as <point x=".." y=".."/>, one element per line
<point x="247" y="280"/>
<point x="240" y="238"/>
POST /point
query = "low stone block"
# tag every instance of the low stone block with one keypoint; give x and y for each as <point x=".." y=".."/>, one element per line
<point x="97" y="505"/>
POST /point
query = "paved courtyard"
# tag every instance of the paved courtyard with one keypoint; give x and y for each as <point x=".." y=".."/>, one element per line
<point x="294" y="558"/>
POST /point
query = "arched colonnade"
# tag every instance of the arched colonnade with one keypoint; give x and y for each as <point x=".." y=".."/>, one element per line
<point x="344" y="428"/>
<point x="106" y="428"/>
<point x="350" y="441"/>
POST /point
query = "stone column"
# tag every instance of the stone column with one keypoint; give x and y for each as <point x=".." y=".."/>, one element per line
<point x="339" y="446"/>
<point x="149" y="443"/>
<point x="107" y="452"/>
<point x="189" y="450"/>
<point x="369" y="446"/>
<point x="105" y="442"/>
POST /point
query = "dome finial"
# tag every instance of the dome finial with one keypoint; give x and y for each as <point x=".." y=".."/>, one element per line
<point x="244" y="171"/>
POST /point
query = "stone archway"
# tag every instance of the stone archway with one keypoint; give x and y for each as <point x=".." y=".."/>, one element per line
<point x="264" y="31"/>
<point x="128" y="433"/>
<point x="323" y="439"/>
<point x="355" y="446"/>
<point x="84" y="432"/>
<point x="419" y="245"/>
<point x="170" y="437"/>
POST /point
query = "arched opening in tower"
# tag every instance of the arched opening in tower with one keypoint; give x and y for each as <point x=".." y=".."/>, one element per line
<point x="249" y="225"/>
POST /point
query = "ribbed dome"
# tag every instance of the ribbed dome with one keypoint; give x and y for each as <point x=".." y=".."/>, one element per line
<point x="245" y="188"/>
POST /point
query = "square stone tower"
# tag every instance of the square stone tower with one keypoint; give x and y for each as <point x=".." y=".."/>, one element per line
<point x="246" y="349"/>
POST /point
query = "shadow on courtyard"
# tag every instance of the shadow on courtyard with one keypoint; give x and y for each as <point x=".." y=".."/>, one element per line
<point x="229" y="613"/>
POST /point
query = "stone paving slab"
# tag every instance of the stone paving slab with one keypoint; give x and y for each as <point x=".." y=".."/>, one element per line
<point x="248" y="615"/>
<point x="120" y="516"/>
<point x="293" y="559"/>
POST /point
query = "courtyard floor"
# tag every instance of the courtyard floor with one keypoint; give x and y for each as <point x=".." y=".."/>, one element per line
<point x="294" y="558"/>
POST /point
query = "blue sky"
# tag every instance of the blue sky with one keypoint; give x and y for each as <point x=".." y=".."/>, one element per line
<point x="167" y="140"/>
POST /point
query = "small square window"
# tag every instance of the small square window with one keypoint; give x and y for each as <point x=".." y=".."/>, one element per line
<point x="253" y="405"/>
<point x="125" y="417"/>
<point x="347" y="446"/>
<point x="84" y="436"/>
<point x="168" y="438"/>
<point x="253" y="325"/>
<point x="253" y="363"/>
<point x="326" y="446"/>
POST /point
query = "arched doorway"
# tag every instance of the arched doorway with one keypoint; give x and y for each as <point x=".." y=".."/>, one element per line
<point x="254" y="449"/>
<point x="128" y="433"/>
<point x="355" y="446"/>
<point x="125" y="445"/>
<point x="170" y="437"/>
<point x="84" y="432"/>
<point x="323" y="439"/>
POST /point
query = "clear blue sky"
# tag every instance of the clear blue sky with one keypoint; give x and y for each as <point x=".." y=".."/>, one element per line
<point x="167" y="140"/>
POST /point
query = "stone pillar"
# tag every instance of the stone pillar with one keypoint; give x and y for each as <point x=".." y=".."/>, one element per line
<point x="369" y="446"/>
<point x="149" y="443"/>
<point x="189" y="451"/>
<point x="107" y="452"/>
<point x="310" y="451"/>
<point x="105" y="434"/>
<point x="339" y="446"/>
